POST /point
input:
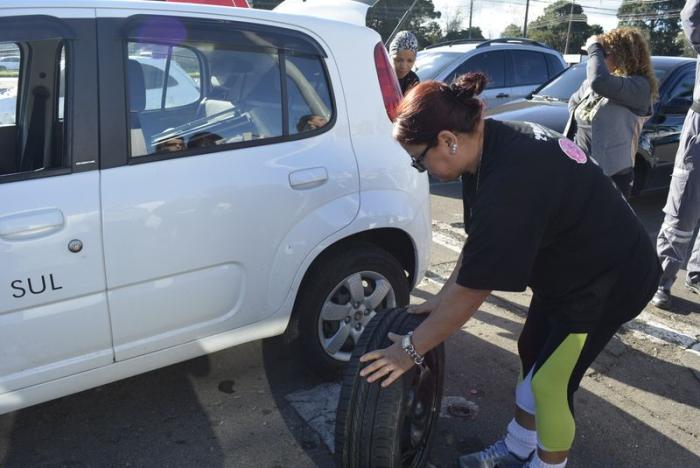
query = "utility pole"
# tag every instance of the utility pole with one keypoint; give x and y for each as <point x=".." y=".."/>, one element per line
<point x="471" y="10"/>
<point x="568" y="31"/>
<point x="527" y="9"/>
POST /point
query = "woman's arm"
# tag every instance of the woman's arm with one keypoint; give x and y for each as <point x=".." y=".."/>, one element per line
<point x="457" y="307"/>
<point x="625" y="90"/>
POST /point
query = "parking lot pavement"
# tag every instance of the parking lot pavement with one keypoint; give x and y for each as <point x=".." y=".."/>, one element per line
<point x="258" y="406"/>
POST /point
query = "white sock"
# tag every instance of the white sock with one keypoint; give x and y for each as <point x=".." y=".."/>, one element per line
<point x="520" y="441"/>
<point x="537" y="463"/>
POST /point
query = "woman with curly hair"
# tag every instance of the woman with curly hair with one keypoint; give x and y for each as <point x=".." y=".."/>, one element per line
<point x="608" y="110"/>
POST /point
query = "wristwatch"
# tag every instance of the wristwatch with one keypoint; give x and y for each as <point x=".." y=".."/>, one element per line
<point x="407" y="346"/>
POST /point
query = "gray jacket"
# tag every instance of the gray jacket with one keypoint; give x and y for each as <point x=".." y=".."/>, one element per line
<point x="625" y="106"/>
<point x="690" y="20"/>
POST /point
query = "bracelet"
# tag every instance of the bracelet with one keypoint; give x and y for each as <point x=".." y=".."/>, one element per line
<point x="408" y="347"/>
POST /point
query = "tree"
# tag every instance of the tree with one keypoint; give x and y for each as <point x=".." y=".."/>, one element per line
<point x="385" y="15"/>
<point x="660" y="21"/>
<point x="684" y="45"/>
<point x="553" y="27"/>
<point x="512" y="30"/>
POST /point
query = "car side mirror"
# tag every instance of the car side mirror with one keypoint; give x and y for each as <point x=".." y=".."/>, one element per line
<point x="677" y="105"/>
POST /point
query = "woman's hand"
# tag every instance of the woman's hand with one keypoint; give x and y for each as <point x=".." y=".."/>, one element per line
<point x="591" y="40"/>
<point x="426" y="307"/>
<point x="392" y="361"/>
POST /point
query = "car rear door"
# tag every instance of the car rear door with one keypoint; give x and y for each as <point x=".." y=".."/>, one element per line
<point x="491" y="63"/>
<point x="529" y="70"/>
<point x="205" y="200"/>
<point x="53" y="311"/>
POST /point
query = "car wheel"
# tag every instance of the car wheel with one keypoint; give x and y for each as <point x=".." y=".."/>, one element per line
<point x="389" y="427"/>
<point x="339" y="298"/>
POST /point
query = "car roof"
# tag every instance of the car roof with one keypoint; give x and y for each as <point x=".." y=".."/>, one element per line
<point x="668" y="63"/>
<point x="151" y="7"/>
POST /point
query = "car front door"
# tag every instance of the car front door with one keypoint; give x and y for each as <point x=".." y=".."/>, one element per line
<point x="492" y="64"/>
<point x="53" y="311"/>
<point x="205" y="196"/>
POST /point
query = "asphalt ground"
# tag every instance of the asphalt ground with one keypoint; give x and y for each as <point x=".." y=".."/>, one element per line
<point x="257" y="405"/>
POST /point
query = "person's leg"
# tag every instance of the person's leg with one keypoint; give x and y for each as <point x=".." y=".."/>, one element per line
<point x="623" y="180"/>
<point x="692" y="280"/>
<point x="520" y="440"/>
<point x="682" y="209"/>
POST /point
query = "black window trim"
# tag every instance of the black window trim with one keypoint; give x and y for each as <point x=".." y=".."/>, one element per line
<point x="79" y="142"/>
<point x="115" y="146"/>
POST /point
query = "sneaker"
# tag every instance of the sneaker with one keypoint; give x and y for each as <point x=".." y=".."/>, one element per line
<point x="495" y="456"/>
<point x="693" y="285"/>
<point x="662" y="299"/>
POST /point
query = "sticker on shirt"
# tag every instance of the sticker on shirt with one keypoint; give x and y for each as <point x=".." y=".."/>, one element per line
<point x="572" y="150"/>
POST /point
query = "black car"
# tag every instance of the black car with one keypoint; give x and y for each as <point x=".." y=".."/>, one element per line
<point x="658" y="140"/>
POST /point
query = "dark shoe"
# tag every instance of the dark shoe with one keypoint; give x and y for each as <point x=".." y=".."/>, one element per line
<point x="662" y="299"/>
<point x="495" y="456"/>
<point x="693" y="285"/>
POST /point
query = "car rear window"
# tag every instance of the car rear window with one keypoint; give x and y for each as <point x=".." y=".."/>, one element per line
<point x="430" y="64"/>
<point x="529" y="68"/>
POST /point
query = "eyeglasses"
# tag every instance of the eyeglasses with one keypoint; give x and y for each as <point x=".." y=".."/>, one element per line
<point x="417" y="163"/>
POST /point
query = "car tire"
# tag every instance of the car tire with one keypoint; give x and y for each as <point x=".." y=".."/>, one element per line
<point x="390" y="427"/>
<point x="327" y="292"/>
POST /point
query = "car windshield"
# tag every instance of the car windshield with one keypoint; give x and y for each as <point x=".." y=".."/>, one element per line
<point x="563" y="86"/>
<point x="428" y="64"/>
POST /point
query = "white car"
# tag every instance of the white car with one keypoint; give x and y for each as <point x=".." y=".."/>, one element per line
<point x="514" y="66"/>
<point x="9" y="63"/>
<point x="245" y="186"/>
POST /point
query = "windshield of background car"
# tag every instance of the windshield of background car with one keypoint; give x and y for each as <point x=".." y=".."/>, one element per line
<point x="566" y="84"/>
<point x="429" y="64"/>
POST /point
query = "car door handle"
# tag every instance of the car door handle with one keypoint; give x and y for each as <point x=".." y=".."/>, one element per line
<point x="31" y="224"/>
<point x="305" y="179"/>
<point x="502" y="95"/>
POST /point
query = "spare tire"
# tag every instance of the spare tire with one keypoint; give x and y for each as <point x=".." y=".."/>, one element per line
<point x="388" y="427"/>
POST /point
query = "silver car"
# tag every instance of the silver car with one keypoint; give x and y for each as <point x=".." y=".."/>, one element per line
<point x="515" y="67"/>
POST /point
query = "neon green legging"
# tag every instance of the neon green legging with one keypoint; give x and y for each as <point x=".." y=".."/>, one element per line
<point x="551" y="390"/>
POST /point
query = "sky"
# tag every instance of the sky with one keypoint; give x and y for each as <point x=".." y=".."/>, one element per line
<point x="492" y="16"/>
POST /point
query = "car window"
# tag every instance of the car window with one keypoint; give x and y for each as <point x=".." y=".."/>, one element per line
<point x="241" y="102"/>
<point x="32" y="108"/>
<point x="309" y="97"/>
<point x="564" y="85"/>
<point x="183" y="70"/>
<point x="492" y="64"/>
<point x="529" y="68"/>
<point x="429" y="64"/>
<point x="555" y="66"/>
<point x="683" y="89"/>
<point x="9" y="78"/>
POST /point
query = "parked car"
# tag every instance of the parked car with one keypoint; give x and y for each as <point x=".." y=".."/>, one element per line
<point x="659" y="137"/>
<point x="9" y="63"/>
<point x="233" y="191"/>
<point x="514" y="67"/>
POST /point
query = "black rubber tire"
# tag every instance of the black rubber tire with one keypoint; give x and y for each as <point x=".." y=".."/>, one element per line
<point x="321" y="281"/>
<point x="371" y="420"/>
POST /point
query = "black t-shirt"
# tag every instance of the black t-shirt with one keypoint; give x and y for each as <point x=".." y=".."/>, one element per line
<point x="545" y="216"/>
<point x="408" y="81"/>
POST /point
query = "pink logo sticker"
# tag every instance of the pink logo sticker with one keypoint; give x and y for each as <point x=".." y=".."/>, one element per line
<point x="572" y="150"/>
